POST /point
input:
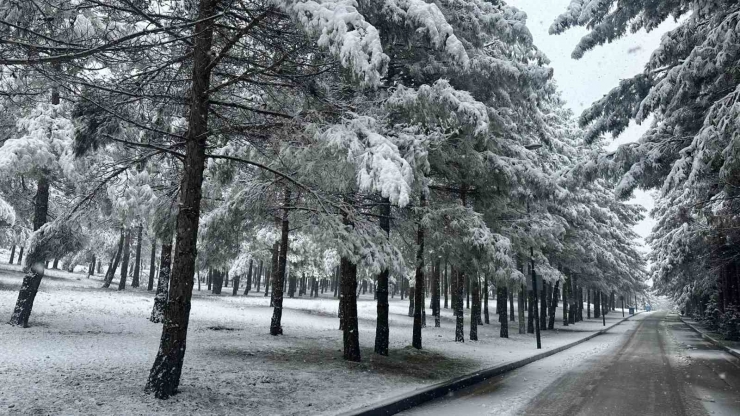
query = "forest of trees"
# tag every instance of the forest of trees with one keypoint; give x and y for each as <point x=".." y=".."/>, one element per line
<point x="689" y="93"/>
<point x="403" y="147"/>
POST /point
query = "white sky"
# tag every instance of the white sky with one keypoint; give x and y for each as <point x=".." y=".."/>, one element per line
<point x="586" y="80"/>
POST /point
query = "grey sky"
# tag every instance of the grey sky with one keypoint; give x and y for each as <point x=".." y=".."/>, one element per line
<point x="588" y="79"/>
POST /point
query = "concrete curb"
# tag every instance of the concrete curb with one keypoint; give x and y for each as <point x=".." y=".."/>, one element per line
<point x="414" y="398"/>
<point x="711" y="339"/>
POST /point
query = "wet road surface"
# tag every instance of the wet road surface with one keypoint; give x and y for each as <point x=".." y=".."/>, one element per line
<point x="651" y="365"/>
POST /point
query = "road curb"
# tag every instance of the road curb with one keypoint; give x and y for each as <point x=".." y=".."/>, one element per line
<point x="414" y="398"/>
<point x="711" y="339"/>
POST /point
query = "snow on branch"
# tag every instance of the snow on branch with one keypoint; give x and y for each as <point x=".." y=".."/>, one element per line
<point x="343" y="30"/>
<point x="443" y="105"/>
<point x="7" y="214"/>
<point x="429" y="20"/>
<point x="380" y="166"/>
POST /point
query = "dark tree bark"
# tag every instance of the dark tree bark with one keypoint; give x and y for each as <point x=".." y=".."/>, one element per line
<point x="419" y="280"/>
<point x="12" y="254"/>
<point x="164" y="377"/>
<point x="486" y="316"/>
<point x="259" y="276"/>
<point x="111" y="272"/>
<point x="348" y="302"/>
<point x="565" y="302"/>
<point x="436" y="310"/>
<point x="411" y="297"/>
<point x="163" y="282"/>
<point x="20" y="255"/>
<point x="137" y="264"/>
<point x="512" y="318"/>
<point x="91" y="270"/>
<point x="124" y="261"/>
<point x="152" y="261"/>
<point x="235" y="285"/>
<point x="459" y="312"/>
<point x="467" y="291"/>
<point x="55" y="265"/>
<point x="382" y="331"/>
<point x="445" y="285"/>
<point x="588" y="303"/>
<point x="217" y="281"/>
<point x="475" y="312"/>
<point x="530" y="311"/>
<point x="520" y="308"/>
<point x="543" y="306"/>
<point x="553" y="306"/>
<point x="504" y="332"/>
<point x="249" y="278"/>
<point x="274" y="267"/>
<point x="268" y="279"/>
<point x="33" y="268"/>
<point x="277" y="288"/>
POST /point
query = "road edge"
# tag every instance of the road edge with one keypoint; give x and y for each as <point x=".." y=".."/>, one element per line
<point x="416" y="397"/>
<point x="711" y="339"/>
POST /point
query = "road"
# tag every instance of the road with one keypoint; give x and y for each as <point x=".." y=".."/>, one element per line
<point x="651" y="365"/>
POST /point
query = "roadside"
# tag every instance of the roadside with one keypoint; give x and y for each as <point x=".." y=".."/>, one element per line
<point x="732" y="347"/>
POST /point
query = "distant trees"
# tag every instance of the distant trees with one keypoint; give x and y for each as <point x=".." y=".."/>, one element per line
<point x="689" y="88"/>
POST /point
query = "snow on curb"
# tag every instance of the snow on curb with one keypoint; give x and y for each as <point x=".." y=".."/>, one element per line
<point x="414" y="398"/>
<point x="711" y="339"/>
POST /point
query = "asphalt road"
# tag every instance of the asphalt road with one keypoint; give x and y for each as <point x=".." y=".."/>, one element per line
<point x="651" y="365"/>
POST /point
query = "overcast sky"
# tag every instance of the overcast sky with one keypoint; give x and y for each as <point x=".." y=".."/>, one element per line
<point x="586" y="80"/>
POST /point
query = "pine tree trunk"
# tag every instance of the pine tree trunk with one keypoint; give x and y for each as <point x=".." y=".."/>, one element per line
<point x="459" y="312"/>
<point x="91" y="270"/>
<point x="163" y="282"/>
<point x="382" y="331"/>
<point x="486" y="315"/>
<point x="33" y="273"/>
<point x="276" y="327"/>
<point x="588" y="303"/>
<point x="152" y="261"/>
<point x="467" y="291"/>
<point x="348" y="301"/>
<point x="164" y="377"/>
<point x="411" y="297"/>
<point x="565" y="302"/>
<point x="543" y="306"/>
<point x="235" y="285"/>
<point x="268" y="278"/>
<point x="436" y="277"/>
<point x="111" y="272"/>
<point x="419" y="281"/>
<point x="137" y="264"/>
<point x="553" y="306"/>
<point x="12" y="254"/>
<point x="20" y="256"/>
<point x="504" y="332"/>
<point x="249" y="278"/>
<point x="124" y="261"/>
<point x="530" y="311"/>
<point x="445" y="286"/>
<point x="259" y="276"/>
<point x="475" y="312"/>
<point x="55" y="265"/>
<point x="274" y="275"/>
<point x="510" y="291"/>
<point x="520" y="310"/>
<point x="217" y="281"/>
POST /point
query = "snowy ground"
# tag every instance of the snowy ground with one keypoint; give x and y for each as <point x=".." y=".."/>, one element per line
<point x="89" y="351"/>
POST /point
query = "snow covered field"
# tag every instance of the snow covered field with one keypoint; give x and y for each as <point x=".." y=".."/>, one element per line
<point x="89" y="351"/>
